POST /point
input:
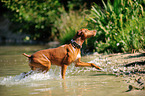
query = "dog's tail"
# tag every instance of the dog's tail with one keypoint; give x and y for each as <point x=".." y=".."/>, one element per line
<point x="26" y="55"/>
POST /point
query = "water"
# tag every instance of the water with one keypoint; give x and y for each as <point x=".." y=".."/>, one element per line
<point x="79" y="81"/>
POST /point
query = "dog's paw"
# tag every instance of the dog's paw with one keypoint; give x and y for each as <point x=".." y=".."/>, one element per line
<point x="101" y="69"/>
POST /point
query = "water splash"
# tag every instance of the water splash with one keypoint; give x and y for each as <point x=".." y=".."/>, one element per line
<point x="18" y="79"/>
<point x="55" y="74"/>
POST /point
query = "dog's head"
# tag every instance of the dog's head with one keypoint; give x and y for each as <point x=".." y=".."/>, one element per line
<point x="85" y="33"/>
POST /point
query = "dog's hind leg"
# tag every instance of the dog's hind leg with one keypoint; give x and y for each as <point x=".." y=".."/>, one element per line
<point x="27" y="74"/>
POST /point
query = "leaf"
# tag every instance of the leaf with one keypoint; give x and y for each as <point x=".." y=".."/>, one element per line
<point x="104" y="5"/>
<point x="109" y="5"/>
<point x="96" y="11"/>
<point x="141" y="9"/>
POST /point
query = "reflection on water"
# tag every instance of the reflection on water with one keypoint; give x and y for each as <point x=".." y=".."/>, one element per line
<point x="79" y="81"/>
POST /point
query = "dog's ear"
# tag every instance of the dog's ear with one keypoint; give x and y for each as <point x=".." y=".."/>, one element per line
<point x="79" y="33"/>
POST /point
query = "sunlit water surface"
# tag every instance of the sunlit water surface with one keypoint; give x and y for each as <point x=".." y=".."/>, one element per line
<point x="79" y="81"/>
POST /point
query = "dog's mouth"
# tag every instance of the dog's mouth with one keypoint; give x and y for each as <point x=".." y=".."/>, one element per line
<point x="93" y="33"/>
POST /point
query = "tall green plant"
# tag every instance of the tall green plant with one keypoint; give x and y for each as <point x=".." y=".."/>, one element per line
<point x="68" y="24"/>
<point x="133" y="35"/>
<point x="110" y="22"/>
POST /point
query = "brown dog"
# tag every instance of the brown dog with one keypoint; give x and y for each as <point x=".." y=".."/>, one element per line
<point x="63" y="55"/>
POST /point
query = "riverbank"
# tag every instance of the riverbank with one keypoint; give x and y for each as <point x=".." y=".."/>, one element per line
<point x="131" y="67"/>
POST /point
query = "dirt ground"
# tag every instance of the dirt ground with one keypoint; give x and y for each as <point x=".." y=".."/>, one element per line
<point x="131" y="67"/>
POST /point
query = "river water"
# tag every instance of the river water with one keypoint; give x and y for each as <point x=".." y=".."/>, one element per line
<point x="79" y="81"/>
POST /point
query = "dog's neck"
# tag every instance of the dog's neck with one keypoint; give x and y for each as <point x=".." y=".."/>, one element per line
<point x="77" y="42"/>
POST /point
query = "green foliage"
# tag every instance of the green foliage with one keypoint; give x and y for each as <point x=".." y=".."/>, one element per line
<point x="119" y="24"/>
<point x="34" y="16"/>
<point x="68" y="24"/>
<point x="133" y="35"/>
<point x="116" y="33"/>
<point x="37" y="17"/>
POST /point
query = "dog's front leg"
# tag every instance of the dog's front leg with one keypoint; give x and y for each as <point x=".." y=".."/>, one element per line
<point x="78" y="63"/>
<point x="63" y="71"/>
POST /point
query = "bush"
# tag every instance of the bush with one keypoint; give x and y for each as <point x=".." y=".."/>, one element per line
<point x="133" y="35"/>
<point x="116" y="33"/>
<point x="68" y="24"/>
<point x="37" y="17"/>
<point x="34" y="17"/>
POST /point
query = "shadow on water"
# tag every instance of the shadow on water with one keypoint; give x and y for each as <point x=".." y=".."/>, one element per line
<point x="135" y="63"/>
<point x="103" y="74"/>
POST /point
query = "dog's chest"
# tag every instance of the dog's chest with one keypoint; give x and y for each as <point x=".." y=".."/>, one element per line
<point x="78" y="56"/>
